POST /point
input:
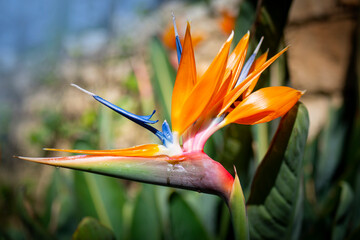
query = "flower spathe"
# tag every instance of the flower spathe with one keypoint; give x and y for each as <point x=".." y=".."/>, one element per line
<point x="200" y="106"/>
<point x="195" y="171"/>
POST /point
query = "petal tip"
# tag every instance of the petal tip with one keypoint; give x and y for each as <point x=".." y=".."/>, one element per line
<point x="259" y="45"/>
<point x="247" y="35"/>
<point x="231" y="36"/>
<point x="83" y="90"/>
<point x="31" y="159"/>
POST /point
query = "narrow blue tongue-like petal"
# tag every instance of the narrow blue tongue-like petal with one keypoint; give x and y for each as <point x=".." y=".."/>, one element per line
<point x="249" y="63"/>
<point x="167" y="131"/>
<point x="133" y="117"/>
<point x="177" y="40"/>
<point x="143" y="121"/>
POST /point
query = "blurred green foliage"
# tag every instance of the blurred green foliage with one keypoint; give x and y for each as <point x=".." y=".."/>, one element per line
<point x="90" y="228"/>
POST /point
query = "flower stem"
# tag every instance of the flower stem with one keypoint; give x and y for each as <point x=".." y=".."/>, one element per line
<point x="262" y="140"/>
<point x="238" y="213"/>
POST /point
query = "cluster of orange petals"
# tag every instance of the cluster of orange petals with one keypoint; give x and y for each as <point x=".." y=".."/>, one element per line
<point x="201" y="104"/>
<point x="215" y="94"/>
<point x="198" y="100"/>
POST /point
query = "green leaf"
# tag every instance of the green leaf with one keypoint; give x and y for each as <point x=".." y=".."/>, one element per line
<point x="267" y="20"/>
<point x="237" y="150"/>
<point x="90" y="228"/>
<point x="238" y="211"/>
<point x="101" y="197"/>
<point x="59" y="208"/>
<point x="29" y="218"/>
<point x="146" y="222"/>
<point x="245" y="19"/>
<point x="223" y="222"/>
<point x="274" y="205"/>
<point x="261" y="139"/>
<point x="185" y="223"/>
<point x="343" y="212"/>
<point x="164" y="76"/>
<point x="331" y="143"/>
<point x="106" y="133"/>
<point x="355" y="235"/>
<point x="204" y="206"/>
<point x="271" y="23"/>
<point x="356" y="211"/>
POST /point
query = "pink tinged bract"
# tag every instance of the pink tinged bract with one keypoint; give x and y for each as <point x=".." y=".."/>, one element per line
<point x="193" y="171"/>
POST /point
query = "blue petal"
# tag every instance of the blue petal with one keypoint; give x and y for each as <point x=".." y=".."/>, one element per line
<point x="167" y="132"/>
<point x="248" y="64"/>
<point x="177" y="40"/>
<point x="149" y="116"/>
<point x="143" y="121"/>
<point x="133" y="117"/>
<point x="178" y="48"/>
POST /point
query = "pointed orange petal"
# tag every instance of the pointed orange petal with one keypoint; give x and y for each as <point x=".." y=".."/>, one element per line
<point x="204" y="89"/>
<point x="236" y="60"/>
<point x="231" y="97"/>
<point x="148" y="150"/>
<point x="234" y="94"/>
<point x="258" y="63"/>
<point x="185" y="80"/>
<point x="264" y="105"/>
<point x="217" y="97"/>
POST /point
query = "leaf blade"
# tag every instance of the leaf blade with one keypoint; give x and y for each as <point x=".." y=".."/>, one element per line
<point x="185" y="224"/>
<point x="273" y="205"/>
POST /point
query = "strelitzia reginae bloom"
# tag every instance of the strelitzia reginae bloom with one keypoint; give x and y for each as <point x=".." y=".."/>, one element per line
<point x="200" y="106"/>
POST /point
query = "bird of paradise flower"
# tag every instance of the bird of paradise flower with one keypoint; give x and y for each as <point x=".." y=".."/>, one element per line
<point x="200" y="106"/>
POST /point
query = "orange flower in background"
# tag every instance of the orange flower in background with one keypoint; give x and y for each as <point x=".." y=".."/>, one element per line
<point x="168" y="37"/>
<point x="227" y="21"/>
<point x="201" y="105"/>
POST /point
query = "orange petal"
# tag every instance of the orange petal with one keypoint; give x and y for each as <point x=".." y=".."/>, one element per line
<point x="258" y="63"/>
<point x="147" y="150"/>
<point x="236" y="60"/>
<point x="264" y="105"/>
<point x="185" y="80"/>
<point x="168" y="38"/>
<point x="204" y="89"/>
<point x="234" y="94"/>
<point x="217" y="97"/>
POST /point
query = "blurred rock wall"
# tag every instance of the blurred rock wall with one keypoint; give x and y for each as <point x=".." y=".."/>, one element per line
<point x="320" y="34"/>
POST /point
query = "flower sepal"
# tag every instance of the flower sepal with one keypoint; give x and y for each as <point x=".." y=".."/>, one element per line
<point x="193" y="171"/>
<point x="237" y="207"/>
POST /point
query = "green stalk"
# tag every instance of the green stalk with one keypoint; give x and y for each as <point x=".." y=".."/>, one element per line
<point x="98" y="203"/>
<point x="238" y="213"/>
<point x="261" y="136"/>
